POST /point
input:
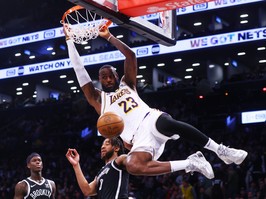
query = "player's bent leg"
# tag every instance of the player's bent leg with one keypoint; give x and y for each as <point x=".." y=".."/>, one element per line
<point x="168" y="126"/>
<point x="141" y="163"/>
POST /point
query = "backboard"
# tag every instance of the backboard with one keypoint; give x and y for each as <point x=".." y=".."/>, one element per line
<point x="161" y="30"/>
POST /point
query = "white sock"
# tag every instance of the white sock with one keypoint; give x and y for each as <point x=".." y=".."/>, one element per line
<point x="212" y="145"/>
<point x="178" y="165"/>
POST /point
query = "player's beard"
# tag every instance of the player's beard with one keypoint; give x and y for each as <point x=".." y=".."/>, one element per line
<point x="108" y="155"/>
<point x="111" y="89"/>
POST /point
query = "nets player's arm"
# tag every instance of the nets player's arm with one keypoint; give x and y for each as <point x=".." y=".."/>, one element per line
<point x="130" y="63"/>
<point x="52" y="183"/>
<point x="87" y="189"/>
<point x="20" y="190"/>
<point x="91" y="93"/>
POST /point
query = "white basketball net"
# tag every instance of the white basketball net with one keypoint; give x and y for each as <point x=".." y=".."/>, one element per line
<point x="83" y="25"/>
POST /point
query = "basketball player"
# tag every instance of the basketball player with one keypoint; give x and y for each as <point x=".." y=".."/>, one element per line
<point x="35" y="186"/>
<point x="112" y="180"/>
<point x="146" y="129"/>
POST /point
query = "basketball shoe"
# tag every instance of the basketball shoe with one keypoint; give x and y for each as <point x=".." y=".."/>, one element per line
<point x="197" y="162"/>
<point x="231" y="155"/>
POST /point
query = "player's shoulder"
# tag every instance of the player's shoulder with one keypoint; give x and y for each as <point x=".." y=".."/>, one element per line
<point x="124" y="84"/>
<point x="50" y="181"/>
<point x="21" y="184"/>
<point x="121" y="160"/>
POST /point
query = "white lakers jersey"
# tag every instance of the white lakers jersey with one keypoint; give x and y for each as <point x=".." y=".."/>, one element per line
<point x="126" y="103"/>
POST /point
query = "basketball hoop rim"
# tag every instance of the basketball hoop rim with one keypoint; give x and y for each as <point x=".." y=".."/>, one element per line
<point x="86" y="25"/>
<point x="70" y="10"/>
<point x="75" y="8"/>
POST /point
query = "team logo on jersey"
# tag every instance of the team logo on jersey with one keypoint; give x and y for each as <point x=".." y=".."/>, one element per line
<point x="118" y="95"/>
<point x="105" y="171"/>
<point x="40" y="192"/>
<point x="47" y="185"/>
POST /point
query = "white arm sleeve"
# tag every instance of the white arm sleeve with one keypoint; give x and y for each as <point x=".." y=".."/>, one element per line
<point x="81" y="73"/>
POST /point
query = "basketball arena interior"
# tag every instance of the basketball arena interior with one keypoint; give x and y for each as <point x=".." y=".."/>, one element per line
<point x="213" y="77"/>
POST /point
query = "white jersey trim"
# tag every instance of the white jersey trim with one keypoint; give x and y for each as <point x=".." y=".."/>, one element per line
<point x="119" y="181"/>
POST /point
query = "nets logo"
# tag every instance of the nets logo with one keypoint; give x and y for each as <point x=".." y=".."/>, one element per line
<point x="155" y="49"/>
<point x="142" y="51"/>
<point x="49" y="34"/>
<point x="202" y="6"/>
<point x="21" y="70"/>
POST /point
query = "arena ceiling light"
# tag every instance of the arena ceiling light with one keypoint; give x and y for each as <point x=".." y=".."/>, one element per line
<point x="196" y="64"/>
<point x="262" y="61"/>
<point x="261" y="48"/>
<point x="178" y="60"/>
<point x="87" y="47"/>
<point x="197" y="24"/>
<point x="70" y="81"/>
<point x="243" y="15"/>
<point x="119" y="36"/>
<point x="241" y="53"/>
<point x="62" y="76"/>
<point x="244" y="21"/>
<point x="189" y="69"/>
<point x="161" y="64"/>
<point x="142" y="67"/>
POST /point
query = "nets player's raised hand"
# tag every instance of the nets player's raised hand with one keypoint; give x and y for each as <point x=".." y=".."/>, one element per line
<point x="72" y="156"/>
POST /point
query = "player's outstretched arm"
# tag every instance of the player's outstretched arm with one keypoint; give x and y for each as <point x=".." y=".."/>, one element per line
<point x="130" y="63"/>
<point x="91" y="93"/>
<point x="86" y="188"/>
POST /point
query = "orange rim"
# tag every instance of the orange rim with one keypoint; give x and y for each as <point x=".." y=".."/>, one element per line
<point x="78" y="7"/>
<point x="108" y="23"/>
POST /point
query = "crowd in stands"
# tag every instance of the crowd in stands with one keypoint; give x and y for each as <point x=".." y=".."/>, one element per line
<point x="51" y="127"/>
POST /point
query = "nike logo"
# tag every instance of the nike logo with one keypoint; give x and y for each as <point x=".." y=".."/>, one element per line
<point x="32" y="185"/>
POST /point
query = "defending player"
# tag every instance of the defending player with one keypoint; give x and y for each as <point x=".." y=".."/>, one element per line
<point x="112" y="180"/>
<point x="35" y="186"/>
<point x="146" y="129"/>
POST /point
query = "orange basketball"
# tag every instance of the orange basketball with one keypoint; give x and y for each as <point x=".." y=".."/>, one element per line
<point x="110" y="125"/>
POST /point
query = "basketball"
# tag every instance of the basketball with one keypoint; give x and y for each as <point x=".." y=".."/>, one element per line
<point x="110" y="125"/>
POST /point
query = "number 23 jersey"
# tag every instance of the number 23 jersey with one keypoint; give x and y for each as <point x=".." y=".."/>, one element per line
<point x="126" y="103"/>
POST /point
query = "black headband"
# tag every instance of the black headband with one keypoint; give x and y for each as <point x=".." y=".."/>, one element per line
<point x="31" y="156"/>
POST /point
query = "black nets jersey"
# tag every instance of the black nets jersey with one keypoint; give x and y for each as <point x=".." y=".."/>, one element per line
<point x="36" y="190"/>
<point x="112" y="182"/>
